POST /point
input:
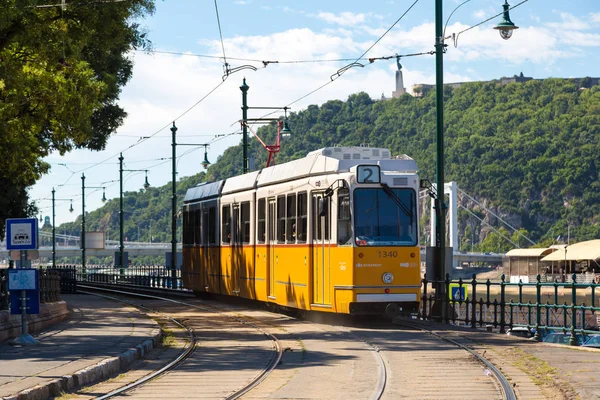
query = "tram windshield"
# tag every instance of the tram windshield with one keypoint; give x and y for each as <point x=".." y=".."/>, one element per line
<point x="385" y="217"/>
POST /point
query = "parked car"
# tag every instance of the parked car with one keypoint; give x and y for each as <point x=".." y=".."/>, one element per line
<point x="521" y="331"/>
<point x="593" y="341"/>
<point x="564" y="338"/>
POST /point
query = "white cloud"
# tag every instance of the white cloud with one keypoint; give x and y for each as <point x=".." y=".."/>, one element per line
<point x="575" y="38"/>
<point x="480" y="14"/>
<point x="595" y="17"/>
<point x="344" y="18"/>
<point x="569" y="22"/>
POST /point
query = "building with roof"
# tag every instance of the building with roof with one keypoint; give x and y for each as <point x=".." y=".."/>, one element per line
<point x="554" y="263"/>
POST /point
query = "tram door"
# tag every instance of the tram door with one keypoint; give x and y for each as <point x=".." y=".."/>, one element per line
<point x="236" y="250"/>
<point x="271" y="240"/>
<point x="321" y="227"/>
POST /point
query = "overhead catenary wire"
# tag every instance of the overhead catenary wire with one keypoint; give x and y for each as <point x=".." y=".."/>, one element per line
<point x="455" y="36"/>
<point x="225" y="65"/>
<point x="152" y="135"/>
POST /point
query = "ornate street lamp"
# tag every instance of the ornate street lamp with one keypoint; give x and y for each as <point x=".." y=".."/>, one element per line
<point x="506" y="26"/>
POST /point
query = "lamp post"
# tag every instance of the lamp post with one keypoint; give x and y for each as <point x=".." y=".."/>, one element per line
<point x="244" y="88"/>
<point x="146" y="186"/>
<point x="174" y="208"/>
<point x="440" y="205"/>
<point x="205" y="163"/>
<point x="282" y="127"/>
<point x="505" y="27"/>
<point x="54" y="225"/>
<point x="83" y="216"/>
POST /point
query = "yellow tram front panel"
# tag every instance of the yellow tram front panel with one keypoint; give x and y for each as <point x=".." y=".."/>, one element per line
<point x="384" y="275"/>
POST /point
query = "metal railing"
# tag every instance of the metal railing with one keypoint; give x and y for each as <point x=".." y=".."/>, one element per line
<point x="49" y="284"/>
<point x="152" y="276"/>
<point x="544" y="306"/>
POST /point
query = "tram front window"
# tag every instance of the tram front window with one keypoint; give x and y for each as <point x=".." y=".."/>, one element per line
<point x="385" y="217"/>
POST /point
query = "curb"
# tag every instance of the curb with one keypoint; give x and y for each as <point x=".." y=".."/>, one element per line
<point x="99" y="372"/>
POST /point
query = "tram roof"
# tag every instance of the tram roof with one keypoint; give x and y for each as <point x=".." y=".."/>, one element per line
<point x="319" y="162"/>
<point x="203" y="190"/>
<point x="332" y="160"/>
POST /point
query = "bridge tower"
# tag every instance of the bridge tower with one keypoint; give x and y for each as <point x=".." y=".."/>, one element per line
<point x="451" y="189"/>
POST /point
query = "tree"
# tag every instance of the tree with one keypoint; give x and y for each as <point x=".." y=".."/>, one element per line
<point x="61" y="72"/>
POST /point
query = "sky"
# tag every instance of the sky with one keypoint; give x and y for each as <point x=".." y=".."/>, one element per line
<point x="184" y="80"/>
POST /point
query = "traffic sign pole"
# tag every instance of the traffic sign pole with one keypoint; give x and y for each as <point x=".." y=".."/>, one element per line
<point x="22" y="235"/>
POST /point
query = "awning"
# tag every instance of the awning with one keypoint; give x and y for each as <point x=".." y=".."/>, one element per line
<point x="589" y="250"/>
<point x="529" y="252"/>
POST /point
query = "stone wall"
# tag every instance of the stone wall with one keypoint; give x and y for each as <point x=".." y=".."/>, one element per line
<point x="50" y="313"/>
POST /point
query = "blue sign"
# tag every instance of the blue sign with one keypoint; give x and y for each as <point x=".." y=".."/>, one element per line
<point x="23" y="279"/>
<point x="32" y="303"/>
<point x="458" y="292"/>
<point x="21" y="234"/>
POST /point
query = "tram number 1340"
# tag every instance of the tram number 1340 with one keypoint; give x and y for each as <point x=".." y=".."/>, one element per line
<point x="387" y="254"/>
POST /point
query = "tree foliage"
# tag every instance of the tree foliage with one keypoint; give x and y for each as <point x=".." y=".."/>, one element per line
<point x="61" y="72"/>
<point x="527" y="150"/>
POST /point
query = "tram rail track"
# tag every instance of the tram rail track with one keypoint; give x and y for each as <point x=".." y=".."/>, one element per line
<point x="506" y="388"/>
<point x="188" y="350"/>
<point x="378" y="341"/>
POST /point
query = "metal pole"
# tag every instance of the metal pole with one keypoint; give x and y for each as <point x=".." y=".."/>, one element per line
<point x="53" y="233"/>
<point x="439" y="96"/>
<point x="83" y="223"/>
<point x="244" y="88"/>
<point x="121" y="212"/>
<point x="174" y="212"/>
<point x="23" y="298"/>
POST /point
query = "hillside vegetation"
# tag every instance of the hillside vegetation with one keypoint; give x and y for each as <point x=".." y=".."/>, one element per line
<point x="528" y="151"/>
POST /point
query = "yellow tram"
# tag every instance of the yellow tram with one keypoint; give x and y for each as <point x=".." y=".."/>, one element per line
<point x="336" y="231"/>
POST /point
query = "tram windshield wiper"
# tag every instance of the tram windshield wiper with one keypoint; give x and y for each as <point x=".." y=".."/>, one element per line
<point x="390" y="193"/>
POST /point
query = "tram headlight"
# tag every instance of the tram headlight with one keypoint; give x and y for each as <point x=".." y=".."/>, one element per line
<point x="387" y="278"/>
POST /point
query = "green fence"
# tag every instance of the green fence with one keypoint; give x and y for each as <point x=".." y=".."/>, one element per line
<point x="544" y="306"/>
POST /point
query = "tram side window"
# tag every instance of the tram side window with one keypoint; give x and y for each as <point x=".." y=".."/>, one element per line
<point x="302" y="224"/>
<point x="344" y="227"/>
<point x="245" y="222"/>
<point x="321" y="221"/>
<point x="205" y="227"/>
<point x="261" y="229"/>
<point x="281" y="219"/>
<point x="226" y="224"/>
<point x="302" y="217"/>
<point x="186" y="226"/>
<point x="235" y="225"/>
<point x="212" y="225"/>
<point x="197" y="227"/>
<point x="290" y="229"/>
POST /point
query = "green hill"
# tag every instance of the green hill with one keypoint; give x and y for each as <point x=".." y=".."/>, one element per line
<point x="528" y="151"/>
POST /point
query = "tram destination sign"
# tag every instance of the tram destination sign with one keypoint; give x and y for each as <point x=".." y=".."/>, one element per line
<point x="368" y="174"/>
<point x="21" y="234"/>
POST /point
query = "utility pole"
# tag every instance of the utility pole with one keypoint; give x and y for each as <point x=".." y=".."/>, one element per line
<point x="174" y="211"/>
<point x="244" y="88"/>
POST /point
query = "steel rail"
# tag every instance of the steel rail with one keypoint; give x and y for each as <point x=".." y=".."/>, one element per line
<point x="187" y="351"/>
<point x="505" y="386"/>
<point x="273" y="362"/>
<point x="378" y="355"/>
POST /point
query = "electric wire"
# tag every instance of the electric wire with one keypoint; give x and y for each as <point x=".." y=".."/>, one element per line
<point x="221" y="35"/>
<point x="150" y="136"/>
<point x="340" y="72"/>
<point x="455" y="36"/>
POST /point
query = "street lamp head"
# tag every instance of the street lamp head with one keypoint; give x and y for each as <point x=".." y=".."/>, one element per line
<point x="103" y="195"/>
<point x="285" y="131"/>
<point x="506" y="26"/>
<point x="205" y="163"/>
<point x="71" y="207"/>
<point x="146" y="183"/>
